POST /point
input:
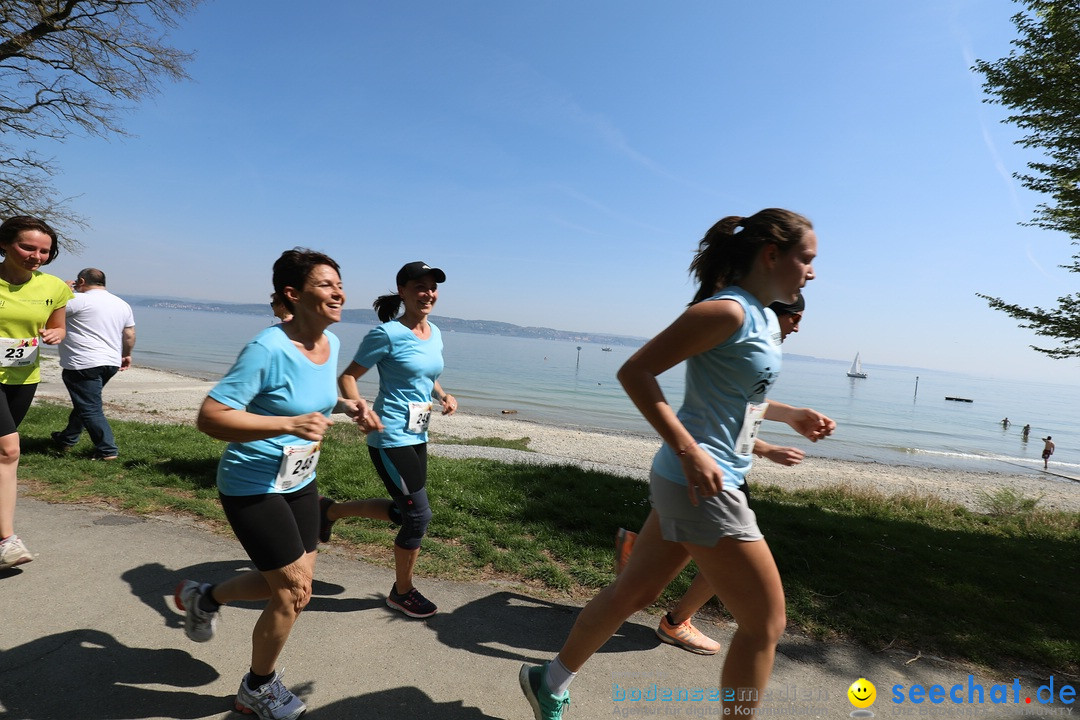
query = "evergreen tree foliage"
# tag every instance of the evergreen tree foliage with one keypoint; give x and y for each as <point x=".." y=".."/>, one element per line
<point x="1039" y="81"/>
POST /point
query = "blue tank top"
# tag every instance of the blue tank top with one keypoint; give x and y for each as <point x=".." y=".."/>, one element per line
<point x="720" y="383"/>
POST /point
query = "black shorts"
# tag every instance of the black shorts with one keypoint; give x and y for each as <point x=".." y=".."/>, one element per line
<point x="276" y="529"/>
<point x="14" y="402"/>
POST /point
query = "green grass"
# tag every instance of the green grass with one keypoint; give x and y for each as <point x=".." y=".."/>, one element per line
<point x="521" y="443"/>
<point x="912" y="572"/>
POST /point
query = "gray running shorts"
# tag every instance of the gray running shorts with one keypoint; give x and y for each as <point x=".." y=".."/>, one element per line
<point x="725" y="515"/>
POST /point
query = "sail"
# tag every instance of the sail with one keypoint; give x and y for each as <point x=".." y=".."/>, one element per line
<point x="856" y="370"/>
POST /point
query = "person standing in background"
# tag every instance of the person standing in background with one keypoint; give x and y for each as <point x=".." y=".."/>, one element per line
<point x="1048" y="450"/>
<point x="100" y="338"/>
<point x="31" y="311"/>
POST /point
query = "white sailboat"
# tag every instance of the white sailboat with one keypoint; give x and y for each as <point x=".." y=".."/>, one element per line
<point x="856" y="368"/>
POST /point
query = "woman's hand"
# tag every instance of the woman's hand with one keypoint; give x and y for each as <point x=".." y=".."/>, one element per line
<point x="52" y="336"/>
<point x="780" y="455"/>
<point x="703" y="476"/>
<point x="361" y="413"/>
<point x="811" y="424"/>
<point x="449" y="404"/>
<point x="311" y="426"/>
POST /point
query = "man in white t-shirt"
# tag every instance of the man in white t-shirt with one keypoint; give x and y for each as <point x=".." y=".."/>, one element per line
<point x="100" y="338"/>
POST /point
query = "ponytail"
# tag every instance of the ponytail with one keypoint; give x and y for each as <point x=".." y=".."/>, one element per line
<point x="726" y="254"/>
<point x="387" y="307"/>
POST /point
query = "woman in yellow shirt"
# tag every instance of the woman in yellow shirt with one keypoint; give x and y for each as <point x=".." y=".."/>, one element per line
<point x="31" y="312"/>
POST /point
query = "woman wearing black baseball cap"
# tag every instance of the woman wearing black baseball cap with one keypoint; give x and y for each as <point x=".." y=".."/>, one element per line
<point x="407" y="349"/>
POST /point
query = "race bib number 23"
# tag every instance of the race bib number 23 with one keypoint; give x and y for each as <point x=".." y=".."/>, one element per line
<point x="18" y="352"/>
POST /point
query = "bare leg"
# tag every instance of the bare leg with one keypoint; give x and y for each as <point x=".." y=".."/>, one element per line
<point x="695" y="597"/>
<point x="374" y="508"/>
<point x="653" y="564"/>
<point x="749" y="586"/>
<point x="9" y="484"/>
<point x="404" y="562"/>
<point x="290" y="591"/>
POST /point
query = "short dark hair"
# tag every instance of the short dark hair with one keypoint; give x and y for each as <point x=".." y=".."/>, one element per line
<point x="11" y="228"/>
<point x="91" y="276"/>
<point x="293" y="268"/>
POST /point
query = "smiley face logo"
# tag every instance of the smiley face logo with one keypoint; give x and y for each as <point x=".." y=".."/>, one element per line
<point x="862" y="693"/>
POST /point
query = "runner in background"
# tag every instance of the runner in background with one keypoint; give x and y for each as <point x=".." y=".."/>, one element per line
<point x="33" y="313"/>
<point x="408" y="353"/>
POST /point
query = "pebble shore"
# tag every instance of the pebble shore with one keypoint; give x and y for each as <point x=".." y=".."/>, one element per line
<point x="164" y="397"/>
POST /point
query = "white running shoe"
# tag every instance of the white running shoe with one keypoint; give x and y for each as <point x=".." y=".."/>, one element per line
<point x="272" y="701"/>
<point x="13" y="553"/>
<point x="199" y="625"/>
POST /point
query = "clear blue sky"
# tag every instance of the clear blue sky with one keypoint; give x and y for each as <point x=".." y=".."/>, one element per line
<point x="560" y="160"/>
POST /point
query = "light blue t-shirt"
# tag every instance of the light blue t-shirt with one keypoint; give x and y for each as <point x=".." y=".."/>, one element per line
<point x="720" y="382"/>
<point x="408" y="369"/>
<point x="272" y="377"/>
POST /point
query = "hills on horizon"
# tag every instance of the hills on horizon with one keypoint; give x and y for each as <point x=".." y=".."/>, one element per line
<point x="368" y="317"/>
<point x="445" y="323"/>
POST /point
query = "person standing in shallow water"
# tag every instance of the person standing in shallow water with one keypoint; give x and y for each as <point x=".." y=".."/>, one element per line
<point x="408" y="352"/>
<point x="730" y="343"/>
<point x="1048" y="450"/>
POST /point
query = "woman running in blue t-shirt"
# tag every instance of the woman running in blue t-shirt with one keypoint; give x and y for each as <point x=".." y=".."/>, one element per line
<point x="273" y="408"/>
<point x="408" y="353"/>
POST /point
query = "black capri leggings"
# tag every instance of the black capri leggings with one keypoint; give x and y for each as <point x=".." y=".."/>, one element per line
<point x="404" y="473"/>
<point x="14" y="402"/>
<point x="276" y="529"/>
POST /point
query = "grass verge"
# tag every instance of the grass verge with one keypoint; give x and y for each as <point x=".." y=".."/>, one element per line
<point x="521" y="443"/>
<point x="907" y="571"/>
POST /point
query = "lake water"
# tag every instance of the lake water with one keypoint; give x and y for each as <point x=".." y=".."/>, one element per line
<point x="880" y="419"/>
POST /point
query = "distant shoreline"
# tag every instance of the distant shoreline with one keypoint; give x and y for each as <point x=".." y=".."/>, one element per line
<point x="162" y="396"/>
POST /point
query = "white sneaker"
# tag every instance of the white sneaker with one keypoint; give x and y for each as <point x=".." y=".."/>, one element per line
<point x="13" y="553"/>
<point x="272" y="701"/>
<point x="199" y="625"/>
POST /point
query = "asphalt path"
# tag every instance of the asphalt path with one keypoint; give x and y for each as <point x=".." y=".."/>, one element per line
<point x="88" y="631"/>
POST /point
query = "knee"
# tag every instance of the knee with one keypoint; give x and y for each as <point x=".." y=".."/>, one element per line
<point x="767" y="627"/>
<point x="9" y="452"/>
<point x="414" y="522"/>
<point x="296" y="592"/>
<point x="775" y="624"/>
<point x="300" y="595"/>
<point x="633" y="598"/>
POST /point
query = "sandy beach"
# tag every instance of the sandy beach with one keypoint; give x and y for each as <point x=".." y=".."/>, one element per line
<point x="158" y="396"/>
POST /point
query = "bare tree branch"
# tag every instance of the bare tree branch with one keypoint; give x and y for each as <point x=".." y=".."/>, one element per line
<point x="73" y="67"/>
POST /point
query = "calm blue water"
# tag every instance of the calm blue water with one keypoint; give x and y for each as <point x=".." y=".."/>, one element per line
<point x="880" y="419"/>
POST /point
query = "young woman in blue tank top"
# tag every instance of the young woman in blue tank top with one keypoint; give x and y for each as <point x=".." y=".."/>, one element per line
<point x="730" y="343"/>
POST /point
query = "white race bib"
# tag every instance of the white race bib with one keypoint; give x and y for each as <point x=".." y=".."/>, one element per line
<point x="18" y="352"/>
<point x="755" y="413"/>
<point x="419" y="417"/>
<point x="297" y="465"/>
